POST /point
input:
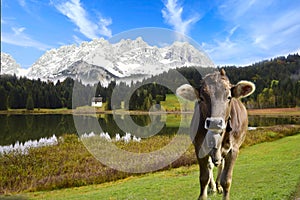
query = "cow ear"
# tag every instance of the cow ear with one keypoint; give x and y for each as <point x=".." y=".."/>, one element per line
<point x="222" y="72"/>
<point x="187" y="92"/>
<point x="242" y="89"/>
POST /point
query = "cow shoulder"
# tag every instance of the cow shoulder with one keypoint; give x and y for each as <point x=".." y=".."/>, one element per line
<point x="238" y="117"/>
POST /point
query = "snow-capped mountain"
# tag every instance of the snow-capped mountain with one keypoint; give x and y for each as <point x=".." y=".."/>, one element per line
<point x="100" y="60"/>
<point x="87" y="73"/>
<point x="8" y="64"/>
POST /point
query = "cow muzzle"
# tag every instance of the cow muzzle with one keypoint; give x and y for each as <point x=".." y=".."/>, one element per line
<point x="215" y="124"/>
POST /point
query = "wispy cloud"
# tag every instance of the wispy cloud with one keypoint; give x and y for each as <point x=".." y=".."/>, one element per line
<point x="78" y="15"/>
<point x="226" y="48"/>
<point x="28" y="7"/>
<point x="258" y="30"/>
<point x="172" y="13"/>
<point x="22" y="3"/>
<point x="77" y="39"/>
<point x="18" y="37"/>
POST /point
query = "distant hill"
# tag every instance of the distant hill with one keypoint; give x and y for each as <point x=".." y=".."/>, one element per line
<point x="277" y="81"/>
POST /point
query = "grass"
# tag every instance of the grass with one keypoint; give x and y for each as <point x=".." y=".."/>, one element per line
<point x="173" y="103"/>
<point x="264" y="171"/>
<point x="175" y="120"/>
<point x="69" y="164"/>
<point x="37" y="111"/>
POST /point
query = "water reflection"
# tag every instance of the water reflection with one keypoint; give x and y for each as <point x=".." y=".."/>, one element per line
<point x="33" y="127"/>
<point x="118" y="125"/>
<point x="257" y="120"/>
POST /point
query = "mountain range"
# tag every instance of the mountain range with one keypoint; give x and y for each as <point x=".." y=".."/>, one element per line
<point x="100" y="60"/>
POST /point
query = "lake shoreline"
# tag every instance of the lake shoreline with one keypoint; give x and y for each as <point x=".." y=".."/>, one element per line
<point x="90" y="110"/>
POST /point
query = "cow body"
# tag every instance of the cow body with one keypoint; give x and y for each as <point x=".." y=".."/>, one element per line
<point x="218" y="128"/>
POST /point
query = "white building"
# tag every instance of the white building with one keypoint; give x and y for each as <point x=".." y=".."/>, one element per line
<point x="97" y="101"/>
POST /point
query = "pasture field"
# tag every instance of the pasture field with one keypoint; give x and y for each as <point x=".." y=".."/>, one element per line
<point x="172" y="103"/>
<point x="264" y="171"/>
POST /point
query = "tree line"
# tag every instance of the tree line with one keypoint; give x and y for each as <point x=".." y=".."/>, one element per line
<point x="277" y="81"/>
<point x="23" y="93"/>
<point x="277" y="85"/>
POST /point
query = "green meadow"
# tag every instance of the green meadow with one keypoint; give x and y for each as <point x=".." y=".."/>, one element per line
<point x="174" y="103"/>
<point x="266" y="171"/>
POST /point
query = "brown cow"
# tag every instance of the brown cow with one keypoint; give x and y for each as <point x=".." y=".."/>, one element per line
<point x="218" y="127"/>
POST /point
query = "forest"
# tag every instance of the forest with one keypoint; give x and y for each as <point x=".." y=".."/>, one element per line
<point x="277" y="85"/>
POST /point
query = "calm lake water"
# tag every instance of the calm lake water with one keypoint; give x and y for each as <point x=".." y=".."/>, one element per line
<point x="29" y="127"/>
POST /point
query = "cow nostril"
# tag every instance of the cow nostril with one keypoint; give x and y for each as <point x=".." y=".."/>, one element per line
<point x="220" y="123"/>
<point x="207" y="123"/>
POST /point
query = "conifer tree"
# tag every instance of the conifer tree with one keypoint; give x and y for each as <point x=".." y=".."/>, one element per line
<point x="3" y="99"/>
<point x="29" y="102"/>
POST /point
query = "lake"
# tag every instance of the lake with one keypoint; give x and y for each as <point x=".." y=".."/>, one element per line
<point x="24" y="127"/>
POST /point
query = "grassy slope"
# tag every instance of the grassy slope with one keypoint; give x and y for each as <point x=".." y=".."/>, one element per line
<point x="172" y="103"/>
<point x="264" y="171"/>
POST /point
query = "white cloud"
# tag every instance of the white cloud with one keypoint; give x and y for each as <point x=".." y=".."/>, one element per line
<point x="19" y="38"/>
<point x="103" y="23"/>
<point x="267" y="23"/>
<point x="261" y="30"/>
<point x="224" y="50"/>
<point x="78" y="15"/>
<point x="172" y="13"/>
<point x="18" y="31"/>
<point x="282" y="30"/>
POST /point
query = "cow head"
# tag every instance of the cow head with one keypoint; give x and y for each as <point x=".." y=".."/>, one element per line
<point x="213" y="99"/>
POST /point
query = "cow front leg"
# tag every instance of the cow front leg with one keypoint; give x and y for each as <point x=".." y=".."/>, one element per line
<point x="218" y="180"/>
<point x="226" y="176"/>
<point x="212" y="184"/>
<point x="203" y="178"/>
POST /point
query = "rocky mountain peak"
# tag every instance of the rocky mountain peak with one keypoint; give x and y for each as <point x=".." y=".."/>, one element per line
<point x="126" y="58"/>
<point x="8" y="64"/>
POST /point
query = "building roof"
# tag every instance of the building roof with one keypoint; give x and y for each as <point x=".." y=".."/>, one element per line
<point x="97" y="99"/>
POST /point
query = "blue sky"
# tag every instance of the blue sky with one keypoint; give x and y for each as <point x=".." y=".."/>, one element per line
<point x="238" y="32"/>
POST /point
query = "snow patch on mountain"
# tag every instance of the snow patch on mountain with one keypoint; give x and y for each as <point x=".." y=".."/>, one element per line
<point x="9" y="65"/>
<point x="100" y="60"/>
